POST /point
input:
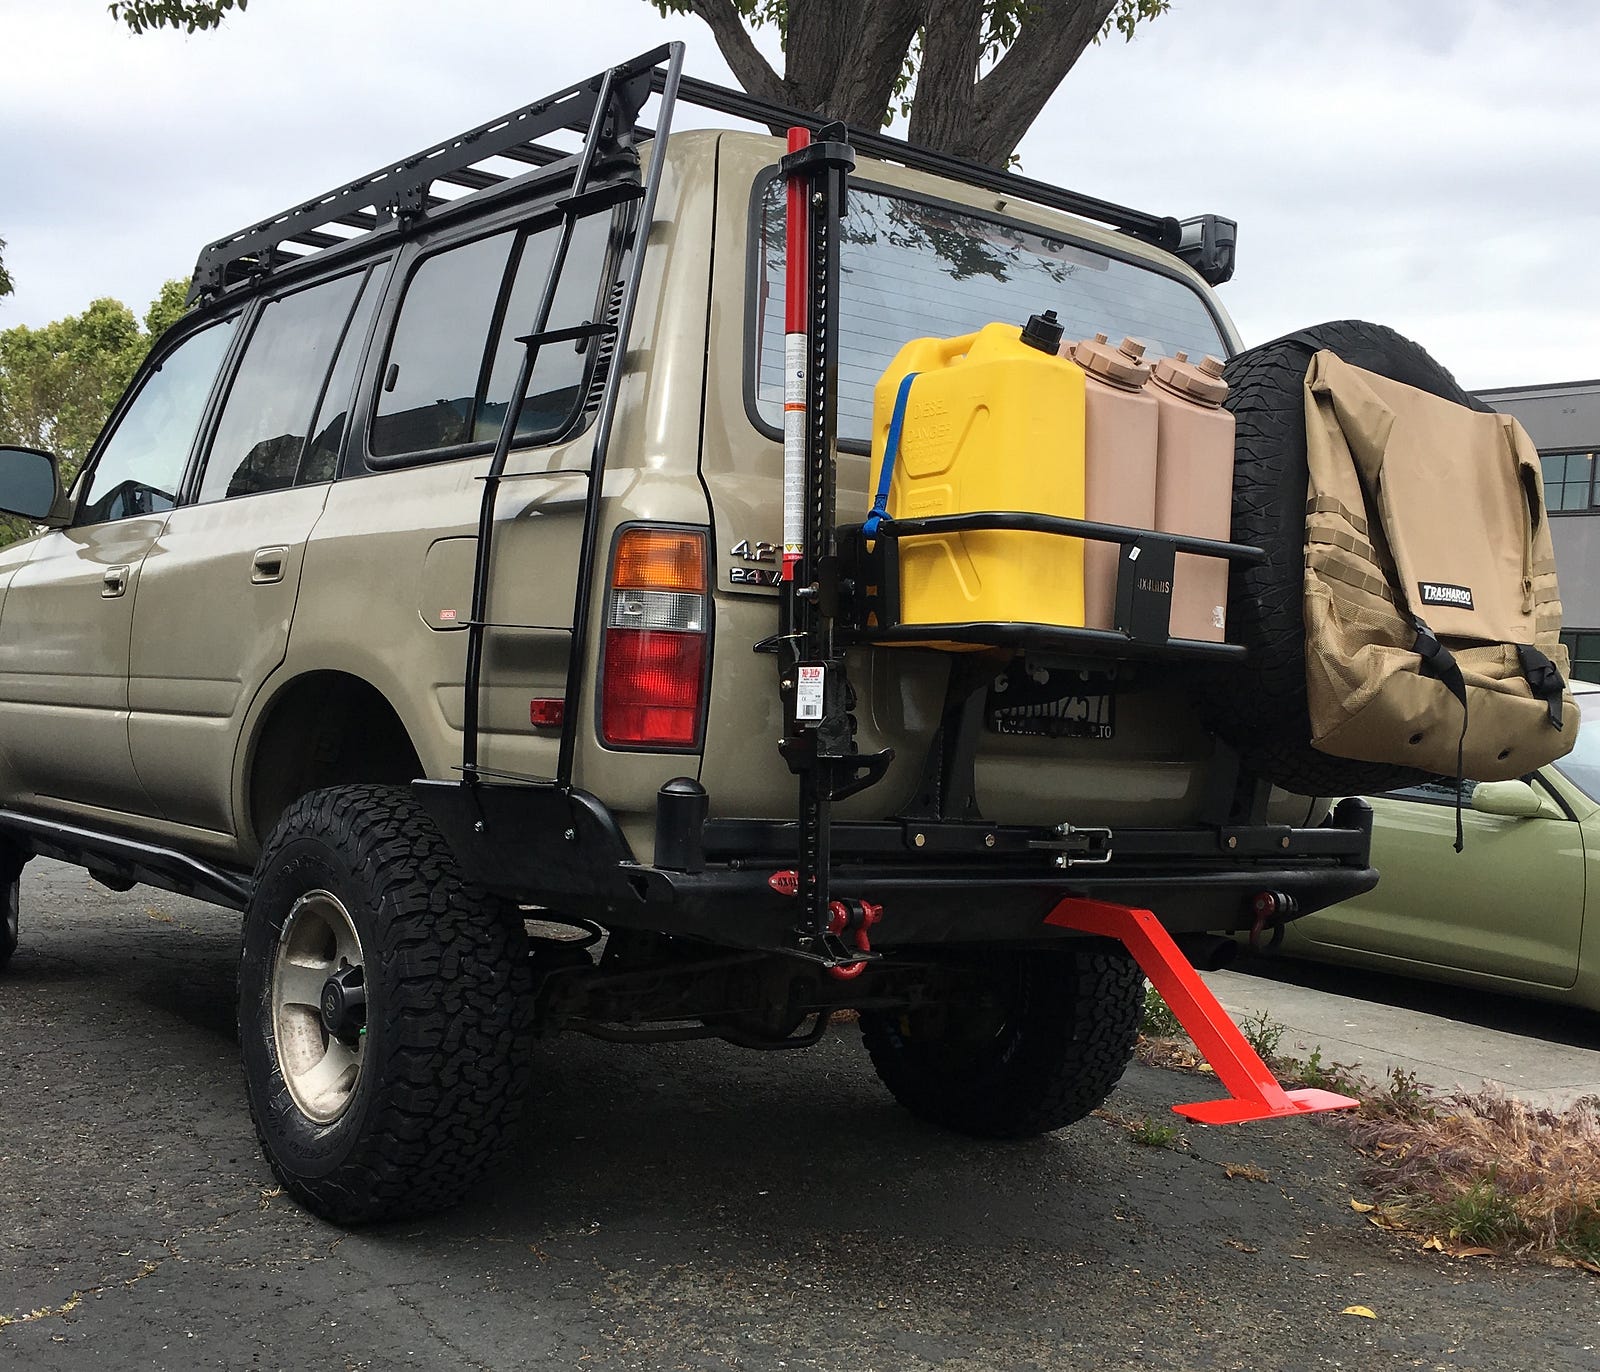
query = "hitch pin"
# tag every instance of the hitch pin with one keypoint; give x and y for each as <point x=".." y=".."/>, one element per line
<point x="1074" y="845"/>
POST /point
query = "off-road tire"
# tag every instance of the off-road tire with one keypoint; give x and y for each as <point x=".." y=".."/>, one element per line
<point x="445" y="1061"/>
<point x="1070" y="1021"/>
<point x="10" y="916"/>
<point x="1260" y="707"/>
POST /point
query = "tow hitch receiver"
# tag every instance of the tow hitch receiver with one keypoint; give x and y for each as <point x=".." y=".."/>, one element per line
<point x="1254" y="1092"/>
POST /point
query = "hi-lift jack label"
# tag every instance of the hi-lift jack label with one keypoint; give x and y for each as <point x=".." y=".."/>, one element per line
<point x="811" y="683"/>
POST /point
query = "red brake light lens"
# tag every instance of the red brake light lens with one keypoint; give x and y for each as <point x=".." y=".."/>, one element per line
<point x="652" y="687"/>
<point x="653" y="667"/>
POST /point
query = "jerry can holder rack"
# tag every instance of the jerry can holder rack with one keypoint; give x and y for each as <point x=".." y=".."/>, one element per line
<point x="866" y="587"/>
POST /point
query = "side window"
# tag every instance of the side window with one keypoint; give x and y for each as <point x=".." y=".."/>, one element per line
<point x="556" y="389"/>
<point x="453" y="357"/>
<point x="432" y="374"/>
<point x="1437" y="791"/>
<point x="333" y="413"/>
<point x="141" y="464"/>
<point x="267" y="418"/>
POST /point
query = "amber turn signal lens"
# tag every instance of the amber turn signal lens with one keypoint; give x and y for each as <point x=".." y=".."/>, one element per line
<point x="660" y="560"/>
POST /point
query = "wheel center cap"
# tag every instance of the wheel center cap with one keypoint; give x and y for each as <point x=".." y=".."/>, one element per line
<point x="343" y="1004"/>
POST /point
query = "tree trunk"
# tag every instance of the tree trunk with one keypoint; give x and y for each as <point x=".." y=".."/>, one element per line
<point x="843" y="58"/>
<point x="1011" y="96"/>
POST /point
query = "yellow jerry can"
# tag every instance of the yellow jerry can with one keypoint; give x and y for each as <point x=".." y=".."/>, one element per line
<point x="992" y="423"/>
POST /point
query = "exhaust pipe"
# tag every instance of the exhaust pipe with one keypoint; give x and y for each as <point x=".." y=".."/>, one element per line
<point x="1207" y="952"/>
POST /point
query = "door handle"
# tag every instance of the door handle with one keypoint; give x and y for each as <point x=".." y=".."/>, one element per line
<point x="116" y="581"/>
<point x="267" y="565"/>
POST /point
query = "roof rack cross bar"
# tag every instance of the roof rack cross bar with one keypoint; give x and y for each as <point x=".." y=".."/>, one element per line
<point x="534" y="154"/>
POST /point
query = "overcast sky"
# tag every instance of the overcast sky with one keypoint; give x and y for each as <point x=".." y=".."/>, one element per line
<point x="1430" y="164"/>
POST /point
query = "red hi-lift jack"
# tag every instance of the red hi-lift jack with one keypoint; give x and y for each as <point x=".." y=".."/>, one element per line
<point x="1254" y="1093"/>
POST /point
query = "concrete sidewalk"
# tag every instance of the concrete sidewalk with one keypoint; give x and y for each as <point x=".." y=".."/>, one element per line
<point x="1446" y="1054"/>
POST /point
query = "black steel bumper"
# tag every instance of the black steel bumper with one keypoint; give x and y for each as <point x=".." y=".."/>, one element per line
<point x="937" y="881"/>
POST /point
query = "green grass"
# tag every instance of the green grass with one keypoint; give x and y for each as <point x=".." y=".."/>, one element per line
<point x="1159" y="1021"/>
<point x="1263" y="1033"/>
<point x="1151" y="1134"/>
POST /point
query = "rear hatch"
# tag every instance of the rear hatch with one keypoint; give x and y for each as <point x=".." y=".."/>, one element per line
<point x="922" y="256"/>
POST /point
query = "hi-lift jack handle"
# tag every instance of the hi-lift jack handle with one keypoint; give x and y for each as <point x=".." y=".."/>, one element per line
<point x="1254" y="1092"/>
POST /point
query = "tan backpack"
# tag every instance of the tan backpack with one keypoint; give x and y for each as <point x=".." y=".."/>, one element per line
<point x="1431" y="609"/>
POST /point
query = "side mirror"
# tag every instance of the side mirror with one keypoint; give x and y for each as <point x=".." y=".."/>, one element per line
<point x="30" y="486"/>
<point x="1513" y="799"/>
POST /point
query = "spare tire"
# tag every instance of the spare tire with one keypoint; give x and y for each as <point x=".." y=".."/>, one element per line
<point x="1260" y="707"/>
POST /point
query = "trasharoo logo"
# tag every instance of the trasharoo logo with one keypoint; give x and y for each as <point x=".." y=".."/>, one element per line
<point x="1442" y="593"/>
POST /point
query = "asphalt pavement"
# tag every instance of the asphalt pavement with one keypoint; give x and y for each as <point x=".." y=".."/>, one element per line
<point x="691" y="1206"/>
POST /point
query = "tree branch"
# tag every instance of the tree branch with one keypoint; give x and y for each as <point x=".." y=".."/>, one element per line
<point x="1052" y="38"/>
<point x="750" y="69"/>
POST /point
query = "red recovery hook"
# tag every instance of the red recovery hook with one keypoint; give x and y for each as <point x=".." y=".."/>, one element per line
<point x="1254" y="1092"/>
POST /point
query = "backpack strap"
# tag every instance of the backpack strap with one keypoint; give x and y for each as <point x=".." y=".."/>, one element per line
<point x="1544" y="679"/>
<point x="1439" y="663"/>
<point x="891" y="449"/>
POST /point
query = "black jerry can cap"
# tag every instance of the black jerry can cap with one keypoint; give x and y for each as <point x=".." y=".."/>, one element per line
<point x="1043" y="331"/>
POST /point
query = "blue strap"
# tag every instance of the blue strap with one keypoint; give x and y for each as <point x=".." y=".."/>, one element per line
<point x="891" y="449"/>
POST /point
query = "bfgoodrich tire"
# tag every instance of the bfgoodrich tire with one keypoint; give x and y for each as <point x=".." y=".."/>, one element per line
<point x="384" y="1010"/>
<point x="1041" y="1049"/>
<point x="1260" y="708"/>
<point x="10" y="916"/>
<point x="11" y="864"/>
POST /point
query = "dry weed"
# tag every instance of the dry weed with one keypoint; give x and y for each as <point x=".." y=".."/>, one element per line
<point x="1486" y="1169"/>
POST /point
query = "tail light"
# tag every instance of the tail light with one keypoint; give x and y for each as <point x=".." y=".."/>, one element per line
<point x="653" y="666"/>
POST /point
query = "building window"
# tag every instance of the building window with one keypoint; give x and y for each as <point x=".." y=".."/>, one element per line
<point x="1583" y="645"/>
<point x="1567" y="480"/>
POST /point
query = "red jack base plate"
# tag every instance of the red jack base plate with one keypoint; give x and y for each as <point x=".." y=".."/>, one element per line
<point x="1230" y="1110"/>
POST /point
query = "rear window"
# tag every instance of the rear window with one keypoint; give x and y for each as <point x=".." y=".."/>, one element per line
<point x="454" y="355"/>
<point x="914" y="268"/>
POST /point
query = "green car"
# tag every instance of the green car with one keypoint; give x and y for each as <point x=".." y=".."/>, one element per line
<point x="1507" y="913"/>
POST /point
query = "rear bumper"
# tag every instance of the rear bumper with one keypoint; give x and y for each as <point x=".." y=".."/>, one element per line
<point x="975" y="883"/>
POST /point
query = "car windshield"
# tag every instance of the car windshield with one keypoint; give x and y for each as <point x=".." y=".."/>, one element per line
<point x="912" y="268"/>
<point x="1582" y="765"/>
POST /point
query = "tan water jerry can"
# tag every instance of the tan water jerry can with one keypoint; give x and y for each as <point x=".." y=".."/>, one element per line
<point x="1194" y="486"/>
<point x="1119" y="465"/>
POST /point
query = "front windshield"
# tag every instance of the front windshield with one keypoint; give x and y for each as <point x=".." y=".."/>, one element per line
<point x="918" y="269"/>
<point x="1582" y="765"/>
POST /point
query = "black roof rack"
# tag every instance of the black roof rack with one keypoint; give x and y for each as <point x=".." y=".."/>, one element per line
<point x="400" y="193"/>
<point x="396" y="196"/>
